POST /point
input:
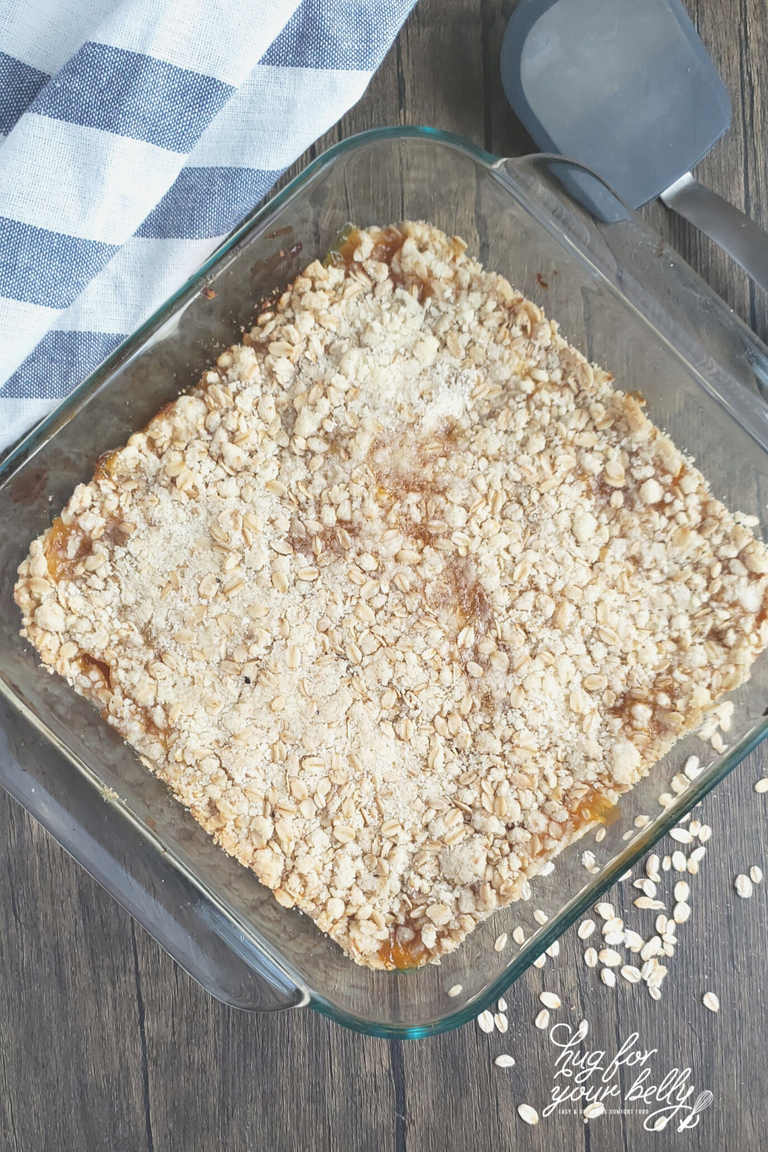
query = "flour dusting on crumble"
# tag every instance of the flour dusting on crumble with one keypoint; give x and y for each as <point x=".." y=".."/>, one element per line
<point x="401" y="597"/>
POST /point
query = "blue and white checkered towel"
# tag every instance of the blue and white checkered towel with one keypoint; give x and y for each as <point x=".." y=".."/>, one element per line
<point x="135" y="135"/>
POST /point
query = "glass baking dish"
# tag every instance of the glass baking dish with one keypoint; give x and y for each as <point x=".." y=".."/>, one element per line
<point x="622" y="297"/>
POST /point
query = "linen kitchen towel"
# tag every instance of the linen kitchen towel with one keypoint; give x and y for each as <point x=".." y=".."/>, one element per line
<point x="135" y="134"/>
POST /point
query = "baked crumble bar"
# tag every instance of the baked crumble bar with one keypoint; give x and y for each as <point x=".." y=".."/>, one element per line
<point x="401" y="597"/>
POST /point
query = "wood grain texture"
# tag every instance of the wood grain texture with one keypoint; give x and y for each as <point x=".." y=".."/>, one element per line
<point x="105" y="1044"/>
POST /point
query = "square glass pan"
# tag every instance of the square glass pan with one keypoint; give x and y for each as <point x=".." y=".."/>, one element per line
<point x="621" y="297"/>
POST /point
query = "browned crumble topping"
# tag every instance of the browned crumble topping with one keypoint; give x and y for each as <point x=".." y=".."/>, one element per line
<point x="401" y="597"/>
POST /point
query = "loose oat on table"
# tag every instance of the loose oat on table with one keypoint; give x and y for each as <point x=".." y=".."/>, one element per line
<point x="681" y="913"/>
<point x="682" y="891"/>
<point x="615" y="924"/>
<point x="743" y="886"/>
<point x="633" y="940"/>
<point x="646" y="902"/>
<point x="613" y="938"/>
<point x="485" y="1021"/>
<point x="401" y="598"/>
<point x="710" y="1000"/>
<point x="631" y="974"/>
<point x="527" y="1113"/>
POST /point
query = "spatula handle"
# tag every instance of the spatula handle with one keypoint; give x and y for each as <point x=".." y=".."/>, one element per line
<point x="739" y="236"/>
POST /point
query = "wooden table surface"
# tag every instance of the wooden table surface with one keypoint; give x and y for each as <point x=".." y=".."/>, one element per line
<point x="106" y="1045"/>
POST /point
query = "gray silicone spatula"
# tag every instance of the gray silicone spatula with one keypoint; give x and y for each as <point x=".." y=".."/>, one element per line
<point x="627" y="88"/>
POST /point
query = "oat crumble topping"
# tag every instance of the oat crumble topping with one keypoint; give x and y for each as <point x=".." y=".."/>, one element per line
<point x="401" y="598"/>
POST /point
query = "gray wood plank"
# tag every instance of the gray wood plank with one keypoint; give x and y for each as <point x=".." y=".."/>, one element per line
<point x="104" y="1043"/>
<point x="236" y="1080"/>
<point x="70" y="1051"/>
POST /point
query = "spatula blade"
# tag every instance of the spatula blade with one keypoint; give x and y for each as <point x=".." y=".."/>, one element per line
<point x="623" y="86"/>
